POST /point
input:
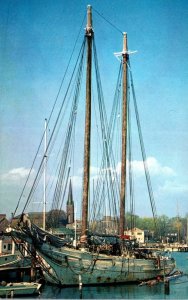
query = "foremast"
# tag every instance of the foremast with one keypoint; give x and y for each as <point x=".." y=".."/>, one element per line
<point x="124" y="137"/>
<point x="87" y="139"/>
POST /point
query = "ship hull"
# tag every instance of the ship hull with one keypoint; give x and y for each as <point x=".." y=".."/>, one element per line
<point x="70" y="267"/>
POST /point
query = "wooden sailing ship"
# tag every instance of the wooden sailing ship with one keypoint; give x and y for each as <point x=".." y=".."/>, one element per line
<point x="66" y="265"/>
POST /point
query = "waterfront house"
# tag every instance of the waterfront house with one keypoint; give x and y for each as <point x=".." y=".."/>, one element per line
<point x="136" y="233"/>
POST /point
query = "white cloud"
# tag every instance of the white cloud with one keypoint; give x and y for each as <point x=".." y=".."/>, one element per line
<point x="118" y="168"/>
<point x="76" y="181"/>
<point x="16" y="174"/>
<point x="80" y="171"/>
<point x="93" y="171"/>
<point x="169" y="194"/>
<point x="155" y="168"/>
<point x="173" y="188"/>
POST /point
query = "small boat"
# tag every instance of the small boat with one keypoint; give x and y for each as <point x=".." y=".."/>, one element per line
<point x="19" y="289"/>
<point x="151" y="282"/>
<point x="9" y="261"/>
<point x="176" y="274"/>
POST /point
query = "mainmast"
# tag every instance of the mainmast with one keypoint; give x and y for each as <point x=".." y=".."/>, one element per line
<point x="124" y="137"/>
<point x="86" y="174"/>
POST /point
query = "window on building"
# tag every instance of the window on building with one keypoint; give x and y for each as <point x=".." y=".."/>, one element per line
<point x="9" y="247"/>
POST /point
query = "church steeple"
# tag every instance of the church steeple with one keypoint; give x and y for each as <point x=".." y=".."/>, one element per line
<point x="70" y="205"/>
<point x="70" y="198"/>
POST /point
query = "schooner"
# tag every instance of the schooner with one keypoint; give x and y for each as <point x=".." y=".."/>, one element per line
<point x="62" y="263"/>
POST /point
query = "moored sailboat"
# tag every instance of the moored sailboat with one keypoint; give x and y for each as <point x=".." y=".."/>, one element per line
<point x="64" y="265"/>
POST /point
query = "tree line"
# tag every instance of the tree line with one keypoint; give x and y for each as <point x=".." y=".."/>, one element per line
<point x="170" y="229"/>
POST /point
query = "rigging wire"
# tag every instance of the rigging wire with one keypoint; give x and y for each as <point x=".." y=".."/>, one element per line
<point x="53" y="131"/>
<point x="108" y="165"/>
<point x="109" y="22"/>
<point x="107" y="134"/>
<point x="131" y="181"/>
<point x="146" y="169"/>
<point x="57" y="96"/>
<point x="59" y="151"/>
<point x="72" y="119"/>
<point x="66" y="153"/>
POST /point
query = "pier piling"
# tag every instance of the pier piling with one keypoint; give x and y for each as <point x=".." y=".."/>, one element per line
<point x="166" y="287"/>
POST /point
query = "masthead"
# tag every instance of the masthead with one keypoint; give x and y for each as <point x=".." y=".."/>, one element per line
<point x="89" y="29"/>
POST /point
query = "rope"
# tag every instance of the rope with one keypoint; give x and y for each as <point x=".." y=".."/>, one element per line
<point x="146" y="169"/>
<point x="55" y="102"/>
<point x="68" y="139"/>
<point x="92" y="265"/>
<point x="43" y="266"/>
<point x="52" y="134"/>
<point x="131" y="181"/>
<point x="108" y="162"/>
<point x="109" y="22"/>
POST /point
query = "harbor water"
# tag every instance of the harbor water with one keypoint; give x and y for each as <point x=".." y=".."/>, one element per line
<point x="178" y="288"/>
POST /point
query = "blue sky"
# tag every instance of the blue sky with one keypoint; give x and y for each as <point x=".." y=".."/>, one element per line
<point x="36" y="39"/>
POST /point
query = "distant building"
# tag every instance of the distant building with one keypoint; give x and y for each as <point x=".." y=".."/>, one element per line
<point x="3" y="222"/>
<point x="55" y="218"/>
<point x="172" y="237"/>
<point x="148" y="235"/>
<point x="137" y="234"/>
<point x="8" y="246"/>
<point x="64" y="232"/>
<point x="76" y="226"/>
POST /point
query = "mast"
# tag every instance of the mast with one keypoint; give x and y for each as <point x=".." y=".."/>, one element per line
<point x="86" y="174"/>
<point x="45" y="163"/>
<point x="124" y="137"/>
